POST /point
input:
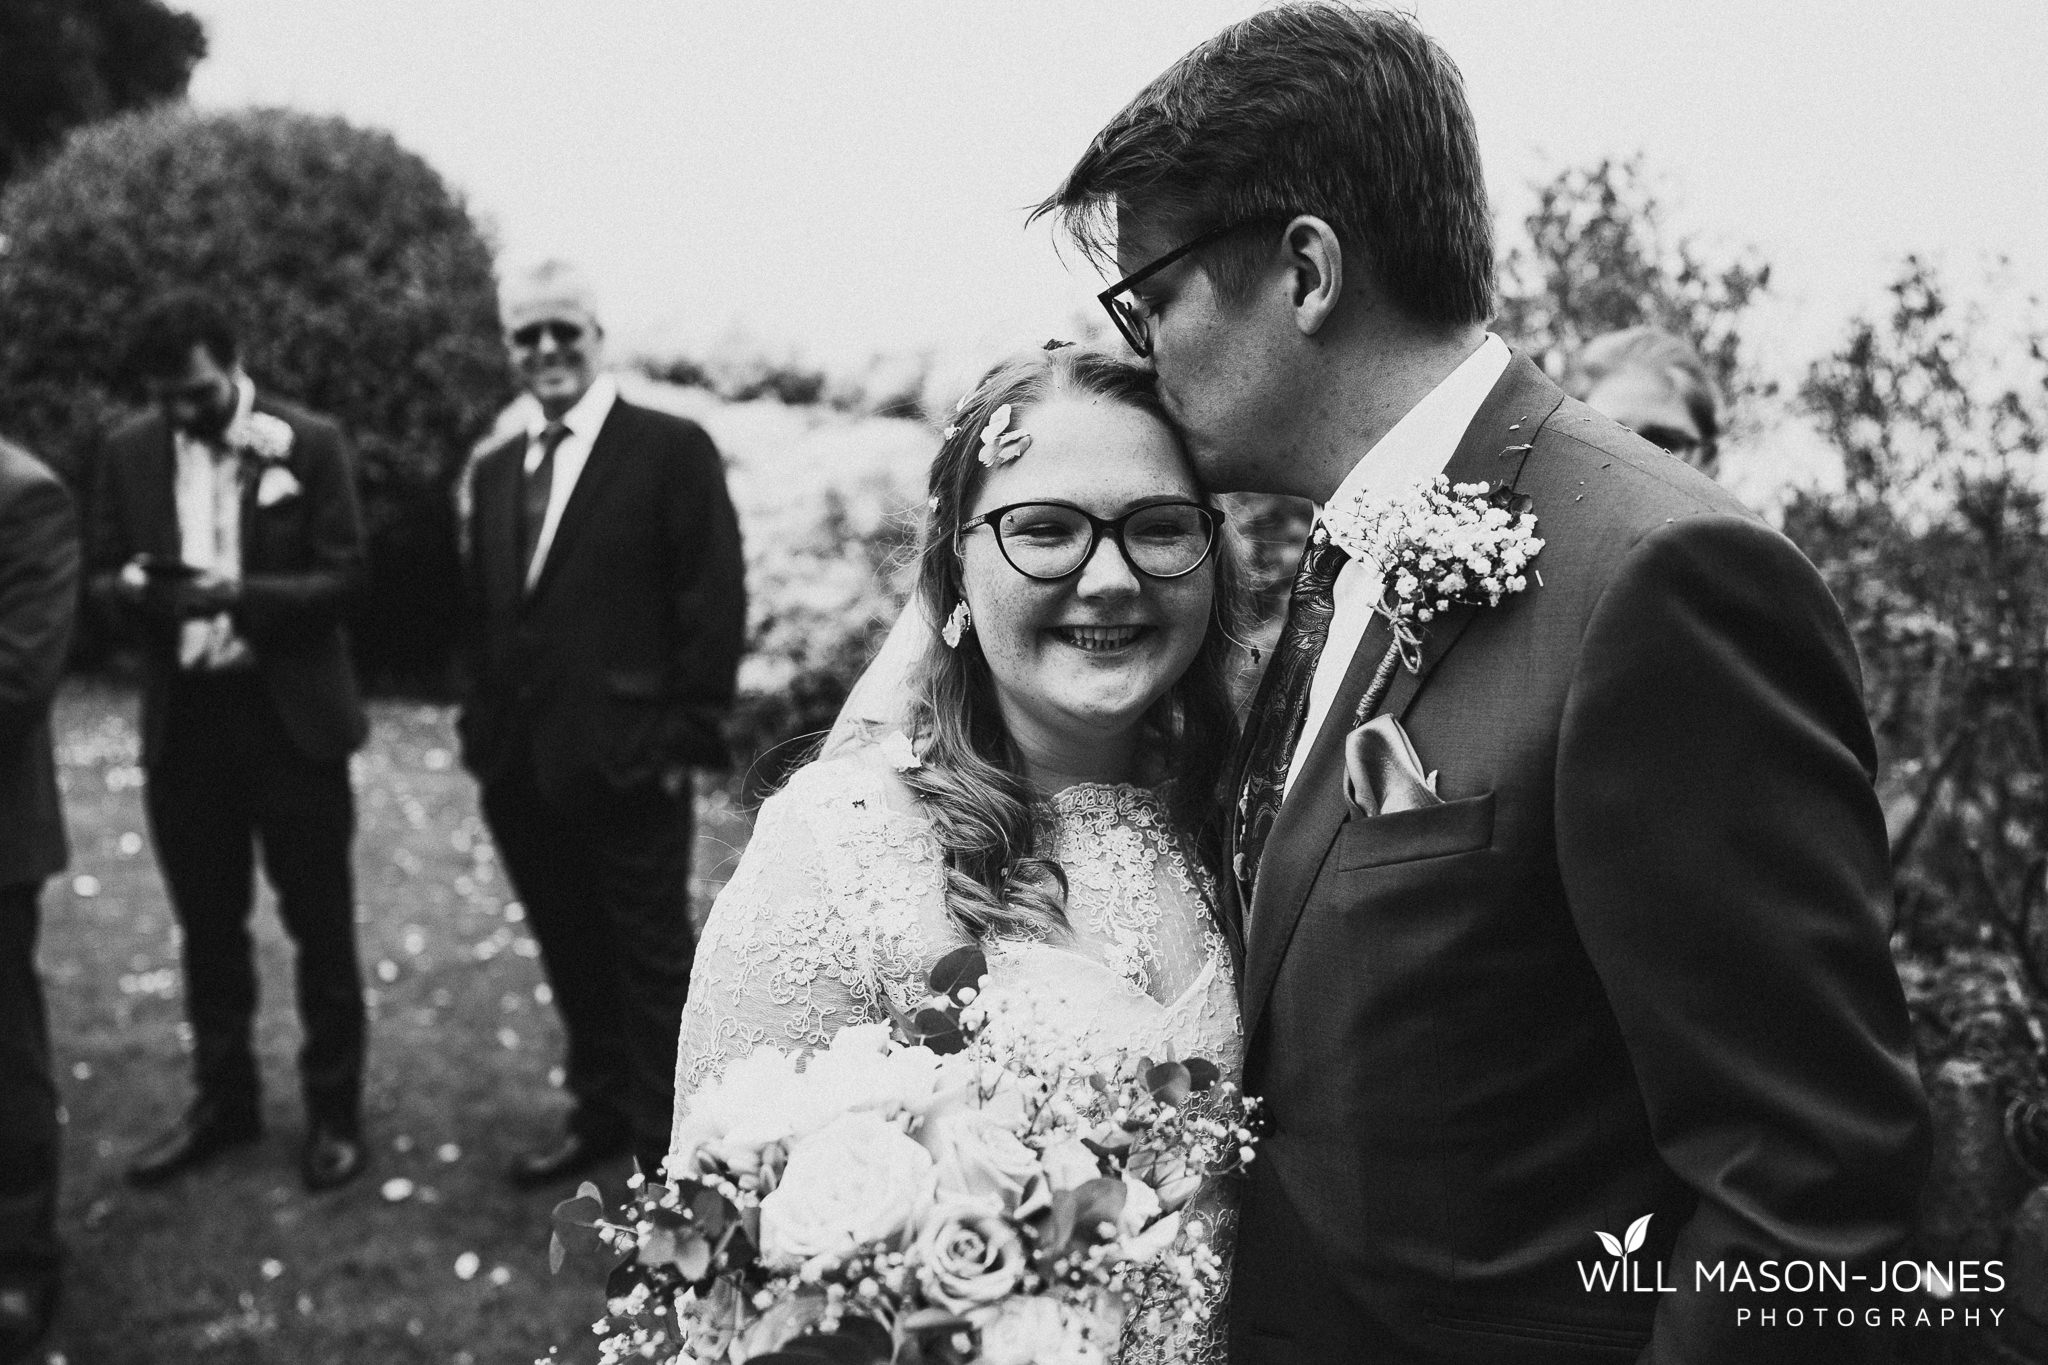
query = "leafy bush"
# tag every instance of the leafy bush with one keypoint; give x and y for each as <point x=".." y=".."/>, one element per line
<point x="68" y="62"/>
<point x="358" y="281"/>
<point x="1599" y="257"/>
<point x="1936" y="545"/>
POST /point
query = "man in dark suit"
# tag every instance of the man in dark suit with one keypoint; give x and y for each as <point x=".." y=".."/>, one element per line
<point x="226" y="534"/>
<point x="1625" y="970"/>
<point x="607" y="614"/>
<point x="38" y="600"/>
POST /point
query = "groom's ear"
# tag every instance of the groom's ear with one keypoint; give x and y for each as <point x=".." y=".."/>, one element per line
<point x="1315" y="271"/>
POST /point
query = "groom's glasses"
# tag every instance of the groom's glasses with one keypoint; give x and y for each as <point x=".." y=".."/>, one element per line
<point x="1129" y="311"/>
<point x="1052" y="540"/>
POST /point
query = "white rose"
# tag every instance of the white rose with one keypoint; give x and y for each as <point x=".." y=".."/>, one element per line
<point x="1069" y="1164"/>
<point x="1033" y="1331"/>
<point x="968" y="1256"/>
<point x="976" y="1157"/>
<point x="757" y="1104"/>
<point x="858" y="1180"/>
<point x="859" y="1072"/>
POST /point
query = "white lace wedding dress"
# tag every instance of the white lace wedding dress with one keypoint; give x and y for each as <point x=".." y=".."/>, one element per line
<point x="836" y="915"/>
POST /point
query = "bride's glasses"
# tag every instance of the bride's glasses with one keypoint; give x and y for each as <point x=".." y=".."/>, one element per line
<point x="1052" y="540"/>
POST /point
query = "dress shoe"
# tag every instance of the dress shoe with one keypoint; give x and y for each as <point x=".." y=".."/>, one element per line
<point x="332" y="1156"/>
<point x="573" y="1155"/>
<point x="25" y="1314"/>
<point x="204" y="1132"/>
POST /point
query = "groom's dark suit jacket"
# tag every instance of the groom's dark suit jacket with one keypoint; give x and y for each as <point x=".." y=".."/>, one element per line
<point x="1635" y="963"/>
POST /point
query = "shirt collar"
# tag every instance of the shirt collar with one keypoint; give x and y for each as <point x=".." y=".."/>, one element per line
<point x="585" y="417"/>
<point x="1418" y="446"/>
<point x="245" y="397"/>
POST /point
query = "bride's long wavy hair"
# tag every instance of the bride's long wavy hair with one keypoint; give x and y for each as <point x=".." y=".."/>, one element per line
<point x="970" y="778"/>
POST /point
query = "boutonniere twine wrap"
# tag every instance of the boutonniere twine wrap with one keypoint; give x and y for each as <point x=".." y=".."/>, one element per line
<point x="1440" y="546"/>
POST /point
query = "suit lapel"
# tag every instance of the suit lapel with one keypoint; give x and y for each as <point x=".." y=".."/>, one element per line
<point x="162" y="494"/>
<point x="1494" y="448"/>
<point x="600" y="465"/>
<point x="497" y="524"/>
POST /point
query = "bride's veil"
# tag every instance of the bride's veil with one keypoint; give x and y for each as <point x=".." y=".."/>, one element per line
<point x="880" y="699"/>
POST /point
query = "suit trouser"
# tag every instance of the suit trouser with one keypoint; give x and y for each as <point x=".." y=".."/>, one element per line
<point x="29" y="1250"/>
<point x="230" y="780"/>
<point x="605" y="880"/>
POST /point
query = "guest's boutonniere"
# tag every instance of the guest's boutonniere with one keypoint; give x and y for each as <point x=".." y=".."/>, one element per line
<point x="1440" y="546"/>
<point x="265" y="440"/>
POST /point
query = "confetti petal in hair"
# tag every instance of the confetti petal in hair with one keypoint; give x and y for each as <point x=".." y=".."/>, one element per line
<point x="1007" y="449"/>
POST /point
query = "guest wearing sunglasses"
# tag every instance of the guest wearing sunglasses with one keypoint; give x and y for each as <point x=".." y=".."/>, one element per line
<point x="1656" y="385"/>
<point x="606" y="613"/>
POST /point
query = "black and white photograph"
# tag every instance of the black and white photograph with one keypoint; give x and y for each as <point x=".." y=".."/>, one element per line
<point x="1182" y="682"/>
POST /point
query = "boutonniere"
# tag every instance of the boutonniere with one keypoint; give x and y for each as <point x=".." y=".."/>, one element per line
<point x="266" y="441"/>
<point x="261" y="435"/>
<point x="1440" y="546"/>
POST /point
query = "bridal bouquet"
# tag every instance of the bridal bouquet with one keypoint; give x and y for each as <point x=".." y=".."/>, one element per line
<point x="965" y="1186"/>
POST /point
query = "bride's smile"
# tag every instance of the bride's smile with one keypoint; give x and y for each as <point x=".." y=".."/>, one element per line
<point x="1104" y="499"/>
<point x="1090" y="639"/>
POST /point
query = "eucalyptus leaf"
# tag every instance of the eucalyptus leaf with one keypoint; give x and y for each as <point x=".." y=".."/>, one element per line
<point x="1169" y="1083"/>
<point x="584" y="1211"/>
<point x="939" y="1031"/>
<point x="961" y="968"/>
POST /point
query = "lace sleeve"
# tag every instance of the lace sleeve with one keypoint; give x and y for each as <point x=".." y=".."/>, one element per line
<point x="779" y="963"/>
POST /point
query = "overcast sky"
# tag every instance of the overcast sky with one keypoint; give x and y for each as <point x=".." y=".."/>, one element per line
<point x="829" y="179"/>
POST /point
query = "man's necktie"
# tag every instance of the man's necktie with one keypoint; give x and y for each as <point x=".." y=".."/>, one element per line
<point x="1282" y="703"/>
<point x="535" y="491"/>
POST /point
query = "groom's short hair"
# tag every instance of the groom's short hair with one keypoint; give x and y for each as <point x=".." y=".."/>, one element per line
<point x="161" y="338"/>
<point x="1353" y="115"/>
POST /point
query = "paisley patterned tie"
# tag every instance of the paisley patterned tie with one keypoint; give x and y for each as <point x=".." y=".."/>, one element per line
<point x="1282" y="703"/>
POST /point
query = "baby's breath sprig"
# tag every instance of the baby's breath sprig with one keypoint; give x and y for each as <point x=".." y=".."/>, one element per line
<point x="1440" y="546"/>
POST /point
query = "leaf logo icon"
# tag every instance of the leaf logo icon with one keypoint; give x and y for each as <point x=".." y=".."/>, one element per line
<point x="1632" y="1240"/>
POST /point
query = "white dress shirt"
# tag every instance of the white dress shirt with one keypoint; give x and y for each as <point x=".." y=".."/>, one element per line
<point x="583" y="422"/>
<point x="207" y="488"/>
<point x="1414" y="451"/>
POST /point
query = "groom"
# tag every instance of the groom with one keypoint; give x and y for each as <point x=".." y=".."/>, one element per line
<point x="1633" y="962"/>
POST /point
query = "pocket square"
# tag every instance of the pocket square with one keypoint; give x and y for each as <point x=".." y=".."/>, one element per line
<point x="1383" y="773"/>
<point x="277" y="484"/>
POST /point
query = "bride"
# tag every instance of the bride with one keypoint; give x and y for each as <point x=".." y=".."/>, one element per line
<point x="1050" y="789"/>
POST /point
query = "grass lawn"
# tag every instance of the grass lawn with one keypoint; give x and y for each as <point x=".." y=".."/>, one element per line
<point x="237" y="1263"/>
